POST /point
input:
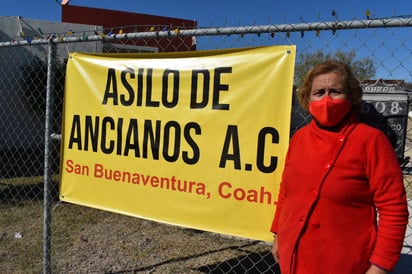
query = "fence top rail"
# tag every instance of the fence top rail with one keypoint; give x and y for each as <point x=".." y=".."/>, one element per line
<point x="392" y="22"/>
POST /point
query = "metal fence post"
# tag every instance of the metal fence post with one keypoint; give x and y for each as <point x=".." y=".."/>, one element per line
<point x="32" y="70"/>
<point x="47" y="172"/>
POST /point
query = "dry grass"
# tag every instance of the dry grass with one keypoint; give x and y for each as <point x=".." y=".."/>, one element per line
<point x="112" y="243"/>
<point x="86" y="240"/>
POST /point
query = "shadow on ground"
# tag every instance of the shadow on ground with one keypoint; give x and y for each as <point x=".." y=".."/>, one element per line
<point x="17" y="193"/>
<point x="250" y="263"/>
<point x="259" y="263"/>
<point x="263" y="263"/>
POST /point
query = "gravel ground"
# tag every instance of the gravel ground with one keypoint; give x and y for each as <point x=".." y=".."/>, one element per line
<point x="113" y="243"/>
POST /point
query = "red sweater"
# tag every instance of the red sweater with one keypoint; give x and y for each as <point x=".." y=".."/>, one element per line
<point x="333" y="187"/>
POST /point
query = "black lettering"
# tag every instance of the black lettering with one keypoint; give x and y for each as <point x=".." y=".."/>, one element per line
<point x="231" y="141"/>
<point x="218" y="87"/>
<point x="149" y="89"/>
<point x="111" y="82"/>
<point x="76" y="133"/>
<point x="92" y="133"/>
<point x="151" y="137"/>
<point x="191" y="143"/>
<point x="119" y="138"/>
<point x="165" y="88"/>
<point x="123" y="100"/>
<point x="260" y="160"/>
<point x="132" y="140"/>
<point x="107" y="123"/>
<point x="171" y="126"/>
<point x="204" y="92"/>
<point x="140" y="74"/>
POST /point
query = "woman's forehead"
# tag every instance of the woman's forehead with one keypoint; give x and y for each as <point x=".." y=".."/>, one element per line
<point x="328" y="80"/>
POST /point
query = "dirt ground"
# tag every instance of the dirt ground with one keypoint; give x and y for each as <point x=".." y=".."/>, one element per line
<point x="113" y="243"/>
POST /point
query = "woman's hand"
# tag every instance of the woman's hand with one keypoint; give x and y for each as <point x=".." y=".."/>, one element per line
<point x="275" y="250"/>
<point x="375" y="270"/>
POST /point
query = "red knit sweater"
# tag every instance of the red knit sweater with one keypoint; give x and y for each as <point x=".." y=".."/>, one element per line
<point x="333" y="187"/>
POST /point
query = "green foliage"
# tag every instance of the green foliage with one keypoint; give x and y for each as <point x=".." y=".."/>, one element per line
<point x="362" y="68"/>
<point x="408" y="85"/>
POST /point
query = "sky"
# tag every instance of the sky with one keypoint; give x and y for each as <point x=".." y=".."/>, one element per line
<point x="223" y="13"/>
<point x="217" y="13"/>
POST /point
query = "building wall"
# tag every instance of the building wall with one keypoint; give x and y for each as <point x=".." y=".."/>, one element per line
<point x="21" y="124"/>
<point x="116" y="21"/>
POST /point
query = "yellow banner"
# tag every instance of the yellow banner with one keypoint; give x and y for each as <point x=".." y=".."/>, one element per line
<point x="194" y="139"/>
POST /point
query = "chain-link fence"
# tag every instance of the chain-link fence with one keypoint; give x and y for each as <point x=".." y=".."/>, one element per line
<point x="76" y="239"/>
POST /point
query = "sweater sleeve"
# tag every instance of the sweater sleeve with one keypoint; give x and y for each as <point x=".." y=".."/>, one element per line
<point x="386" y="183"/>
<point x="281" y="199"/>
<point x="282" y="194"/>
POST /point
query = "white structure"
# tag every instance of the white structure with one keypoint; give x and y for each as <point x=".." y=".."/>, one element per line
<point x="21" y="125"/>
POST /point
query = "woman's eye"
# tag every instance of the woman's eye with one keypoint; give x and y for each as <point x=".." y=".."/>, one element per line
<point x="336" y="91"/>
<point x="319" y="92"/>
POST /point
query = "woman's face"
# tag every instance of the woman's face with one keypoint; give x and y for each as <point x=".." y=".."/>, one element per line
<point x="329" y="84"/>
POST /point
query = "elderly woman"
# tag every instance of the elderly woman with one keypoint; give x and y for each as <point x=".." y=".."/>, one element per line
<point x="342" y="204"/>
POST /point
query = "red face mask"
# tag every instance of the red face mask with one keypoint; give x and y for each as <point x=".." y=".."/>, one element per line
<point x="329" y="112"/>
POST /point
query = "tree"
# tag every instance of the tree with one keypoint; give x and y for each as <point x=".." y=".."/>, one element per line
<point x="408" y="85"/>
<point x="362" y="68"/>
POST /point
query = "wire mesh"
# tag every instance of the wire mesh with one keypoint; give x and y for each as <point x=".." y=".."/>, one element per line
<point x="85" y="240"/>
